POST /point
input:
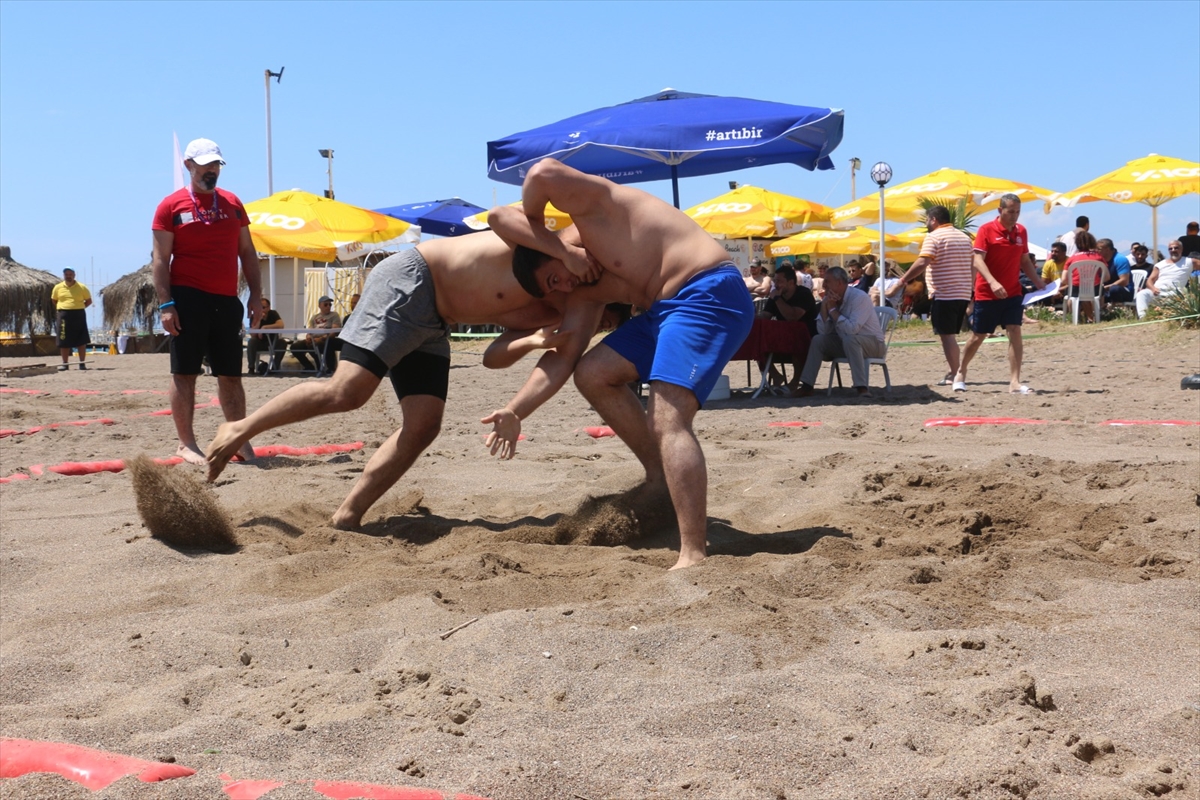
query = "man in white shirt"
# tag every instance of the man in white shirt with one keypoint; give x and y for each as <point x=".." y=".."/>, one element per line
<point x="1068" y="238"/>
<point x="847" y="327"/>
<point x="1168" y="276"/>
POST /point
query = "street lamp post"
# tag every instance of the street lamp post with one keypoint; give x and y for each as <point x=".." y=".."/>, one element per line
<point x="278" y="76"/>
<point x="328" y="155"/>
<point x="855" y="164"/>
<point x="881" y="173"/>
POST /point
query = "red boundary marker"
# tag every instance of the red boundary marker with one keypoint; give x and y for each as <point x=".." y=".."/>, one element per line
<point x="1122" y="422"/>
<point x="954" y="422"/>
<point x="794" y="424"/>
<point x="97" y="769"/>
<point x="116" y="465"/>
<point x="599" y="431"/>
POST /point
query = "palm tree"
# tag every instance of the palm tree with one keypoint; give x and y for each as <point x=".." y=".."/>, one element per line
<point x="960" y="216"/>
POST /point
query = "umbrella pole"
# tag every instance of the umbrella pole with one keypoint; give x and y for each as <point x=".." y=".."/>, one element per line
<point x="1154" y="223"/>
<point x="675" y="183"/>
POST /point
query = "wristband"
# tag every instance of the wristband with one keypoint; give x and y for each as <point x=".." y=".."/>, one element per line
<point x="167" y="304"/>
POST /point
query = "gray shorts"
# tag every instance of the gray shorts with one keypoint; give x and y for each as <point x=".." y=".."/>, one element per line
<point x="397" y="313"/>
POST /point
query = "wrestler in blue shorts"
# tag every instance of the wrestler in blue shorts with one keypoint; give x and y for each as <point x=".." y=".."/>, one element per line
<point x="688" y="339"/>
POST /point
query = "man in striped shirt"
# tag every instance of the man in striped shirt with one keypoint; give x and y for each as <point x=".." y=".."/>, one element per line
<point x="946" y="256"/>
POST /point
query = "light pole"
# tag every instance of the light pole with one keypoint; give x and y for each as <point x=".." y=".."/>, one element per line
<point x="278" y="76"/>
<point x="328" y="155"/>
<point x="881" y="173"/>
<point x="855" y="164"/>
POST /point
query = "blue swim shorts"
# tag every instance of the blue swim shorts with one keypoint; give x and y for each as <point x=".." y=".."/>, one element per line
<point x="688" y="339"/>
<point x="987" y="314"/>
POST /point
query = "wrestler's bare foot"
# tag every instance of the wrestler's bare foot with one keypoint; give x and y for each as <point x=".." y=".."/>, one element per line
<point x="224" y="446"/>
<point x="345" y="520"/>
<point x="191" y="454"/>
<point x="689" y="558"/>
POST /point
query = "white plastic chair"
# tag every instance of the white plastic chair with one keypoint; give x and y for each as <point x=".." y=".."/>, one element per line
<point x="1139" y="283"/>
<point x="887" y="321"/>
<point x="1089" y="289"/>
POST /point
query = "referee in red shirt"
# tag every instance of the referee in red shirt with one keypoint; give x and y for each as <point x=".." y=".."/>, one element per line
<point x="200" y="234"/>
<point x="1001" y="254"/>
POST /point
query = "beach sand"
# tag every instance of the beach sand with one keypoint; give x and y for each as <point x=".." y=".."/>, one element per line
<point x="888" y="611"/>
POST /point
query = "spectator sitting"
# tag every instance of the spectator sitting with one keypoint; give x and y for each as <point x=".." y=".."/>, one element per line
<point x="1168" y="276"/>
<point x="1191" y="241"/>
<point x="759" y="281"/>
<point x="854" y="272"/>
<point x="1052" y="270"/>
<point x="893" y="287"/>
<point x="325" y="317"/>
<point x="803" y="275"/>
<point x="259" y="342"/>
<point x="337" y="340"/>
<point x="1119" y="289"/>
<point x="1140" y="252"/>
<point x="792" y="303"/>
<point x="1082" y="224"/>
<point x="870" y="271"/>
<point x="818" y="287"/>
<point x="849" y="329"/>
<point x="1085" y="250"/>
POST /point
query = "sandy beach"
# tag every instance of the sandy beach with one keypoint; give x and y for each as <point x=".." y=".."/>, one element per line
<point x="889" y="609"/>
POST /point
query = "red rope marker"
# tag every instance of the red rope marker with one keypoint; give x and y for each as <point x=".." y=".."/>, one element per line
<point x="16" y="476"/>
<point x="6" y="390"/>
<point x="78" y="392"/>
<point x="1122" y="422"/>
<point x="792" y="424"/>
<point x="955" y="422"/>
<point x="599" y="431"/>
<point x="248" y="790"/>
<point x="269" y="450"/>
<point x="94" y="769"/>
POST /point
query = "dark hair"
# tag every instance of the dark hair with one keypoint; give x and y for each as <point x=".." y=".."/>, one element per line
<point x="1007" y="200"/>
<point x="623" y="312"/>
<point x="525" y="262"/>
<point x="1059" y="245"/>
<point x="939" y="214"/>
<point x="786" y="271"/>
<point x="1084" y="241"/>
<point x="1082" y="221"/>
<point x="1193" y="226"/>
<point x="1103" y="243"/>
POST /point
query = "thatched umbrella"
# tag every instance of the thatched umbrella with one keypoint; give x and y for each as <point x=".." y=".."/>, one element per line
<point x="25" y="296"/>
<point x="131" y="300"/>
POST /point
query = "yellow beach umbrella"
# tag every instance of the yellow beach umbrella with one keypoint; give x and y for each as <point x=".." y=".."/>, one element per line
<point x="749" y="211"/>
<point x="857" y="242"/>
<point x="914" y="236"/>
<point x="555" y="219"/>
<point x="302" y="225"/>
<point x="903" y="201"/>
<point x="1152" y="180"/>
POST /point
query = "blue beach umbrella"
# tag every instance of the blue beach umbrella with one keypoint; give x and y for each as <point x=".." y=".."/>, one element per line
<point x="673" y="134"/>
<point x="439" y="218"/>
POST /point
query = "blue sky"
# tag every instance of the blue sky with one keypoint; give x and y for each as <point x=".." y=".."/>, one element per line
<point x="408" y="94"/>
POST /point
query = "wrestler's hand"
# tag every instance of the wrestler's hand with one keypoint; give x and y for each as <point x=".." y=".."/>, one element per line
<point x="581" y="264"/>
<point x="170" y="321"/>
<point x="547" y="338"/>
<point x="506" y="429"/>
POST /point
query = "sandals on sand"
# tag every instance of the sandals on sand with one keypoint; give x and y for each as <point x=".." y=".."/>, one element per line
<point x="946" y="381"/>
<point x="960" y="386"/>
<point x="1022" y="389"/>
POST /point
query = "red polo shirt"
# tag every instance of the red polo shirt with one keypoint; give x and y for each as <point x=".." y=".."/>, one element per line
<point x="203" y="257"/>
<point x="1002" y="251"/>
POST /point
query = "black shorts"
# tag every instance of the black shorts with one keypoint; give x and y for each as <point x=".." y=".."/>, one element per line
<point x="947" y="316"/>
<point x="416" y="373"/>
<point x="72" y="328"/>
<point x="209" y="325"/>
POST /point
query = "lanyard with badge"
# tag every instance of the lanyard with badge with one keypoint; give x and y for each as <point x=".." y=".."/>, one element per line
<point x="207" y="217"/>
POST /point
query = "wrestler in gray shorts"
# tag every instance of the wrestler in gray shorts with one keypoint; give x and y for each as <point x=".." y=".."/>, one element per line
<point x="396" y="327"/>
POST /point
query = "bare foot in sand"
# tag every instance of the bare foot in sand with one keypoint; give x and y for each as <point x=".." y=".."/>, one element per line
<point x="191" y="454"/>
<point x="689" y="559"/>
<point x="345" y="520"/>
<point x="224" y="446"/>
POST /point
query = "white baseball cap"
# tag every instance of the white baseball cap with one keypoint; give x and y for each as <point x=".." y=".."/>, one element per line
<point x="203" y="151"/>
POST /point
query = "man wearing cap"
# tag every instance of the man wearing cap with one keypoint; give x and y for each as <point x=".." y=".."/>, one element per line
<point x="327" y="318"/>
<point x="72" y="298"/>
<point x="200" y="234"/>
